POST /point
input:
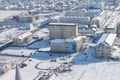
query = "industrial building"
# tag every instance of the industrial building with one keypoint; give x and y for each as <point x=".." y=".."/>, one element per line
<point x="62" y="30"/>
<point x="105" y="45"/>
<point x="23" y="39"/>
<point x="67" y="45"/>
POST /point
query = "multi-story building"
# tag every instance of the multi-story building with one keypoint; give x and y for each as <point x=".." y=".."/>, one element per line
<point x="79" y="20"/>
<point x="27" y="18"/>
<point x="112" y="27"/>
<point x="67" y="45"/>
<point x="104" y="47"/>
<point x="62" y="30"/>
<point x="23" y="39"/>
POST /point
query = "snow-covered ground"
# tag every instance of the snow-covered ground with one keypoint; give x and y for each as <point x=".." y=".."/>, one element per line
<point x="10" y="33"/>
<point x="5" y="14"/>
<point x="84" y="67"/>
<point x="11" y="59"/>
<point x="17" y="51"/>
<point x="39" y="44"/>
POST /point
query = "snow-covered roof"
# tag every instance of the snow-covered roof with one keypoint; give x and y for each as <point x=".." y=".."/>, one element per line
<point x="96" y="18"/>
<point x="58" y="41"/>
<point x="112" y="25"/>
<point x="24" y="35"/>
<point x="108" y="38"/>
<point x="86" y="30"/>
<point x="67" y="40"/>
<point x="78" y="38"/>
<point x="83" y="26"/>
<point x="62" y="24"/>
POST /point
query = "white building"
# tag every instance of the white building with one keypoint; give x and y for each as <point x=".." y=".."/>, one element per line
<point x="112" y="28"/>
<point x="104" y="47"/>
<point x="23" y="39"/>
<point x="85" y="30"/>
<point x="78" y="13"/>
<point x="75" y="19"/>
<point x="67" y="45"/>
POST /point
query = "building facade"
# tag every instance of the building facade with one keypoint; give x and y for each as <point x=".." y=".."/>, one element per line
<point x="66" y="45"/>
<point x="104" y="47"/>
<point x="62" y="30"/>
<point x="23" y="39"/>
<point x="75" y="19"/>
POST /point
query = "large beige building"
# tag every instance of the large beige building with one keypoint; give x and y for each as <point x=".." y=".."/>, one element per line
<point x="104" y="47"/>
<point x="62" y="30"/>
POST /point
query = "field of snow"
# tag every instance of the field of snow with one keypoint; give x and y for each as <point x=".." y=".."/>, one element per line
<point x="39" y="44"/>
<point x="13" y="32"/>
<point x="84" y="67"/>
<point x="17" y="51"/>
<point x="5" y="14"/>
<point x="11" y="59"/>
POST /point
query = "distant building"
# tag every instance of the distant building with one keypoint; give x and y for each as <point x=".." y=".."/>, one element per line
<point x="105" y="45"/>
<point x="23" y="39"/>
<point x="79" y="13"/>
<point x="67" y="45"/>
<point x="99" y="20"/>
<point x="112" y="27"/>
<point x="62" y="30"/>
<point x="75" y="19"/>
<point x="85" y="30"/>
<point x="93" y="5"/>
<point x="27" y="18"/>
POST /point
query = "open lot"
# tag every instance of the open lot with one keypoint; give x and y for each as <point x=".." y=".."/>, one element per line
<point x="5" y="14"/>
<point x="84" y="67"/>
<point x="17" y="51"/>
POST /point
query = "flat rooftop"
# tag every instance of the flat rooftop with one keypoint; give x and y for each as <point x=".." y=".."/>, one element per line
<point x="63" y="24"/>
